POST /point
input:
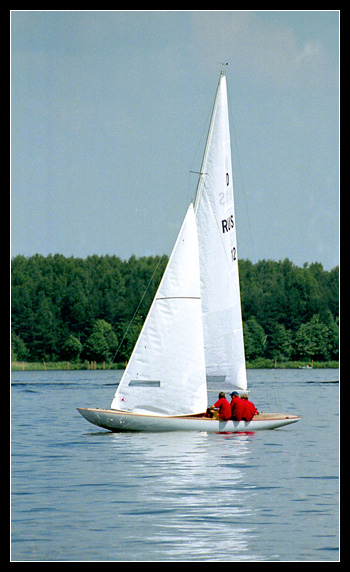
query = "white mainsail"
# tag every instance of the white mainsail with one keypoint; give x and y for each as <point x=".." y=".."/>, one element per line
<point x="166" y="371"/>
<point x="215" y="216"/>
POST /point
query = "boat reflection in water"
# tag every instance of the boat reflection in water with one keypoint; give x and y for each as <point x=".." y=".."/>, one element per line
<point x="190" y="501"/>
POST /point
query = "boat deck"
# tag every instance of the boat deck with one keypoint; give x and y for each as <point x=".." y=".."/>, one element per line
<point x="117" y="420"/>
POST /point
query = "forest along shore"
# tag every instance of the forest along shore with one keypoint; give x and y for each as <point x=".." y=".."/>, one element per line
<point x="72" y="312"/>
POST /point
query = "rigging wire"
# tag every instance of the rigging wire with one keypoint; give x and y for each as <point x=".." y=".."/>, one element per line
<point x="157" y="266"/>
<point x="200" y="144"/>
<point x="137" y="309"/>
<point x="242" y="182"/>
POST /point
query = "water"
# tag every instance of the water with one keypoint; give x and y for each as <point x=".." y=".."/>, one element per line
<point x="82" y="493"/>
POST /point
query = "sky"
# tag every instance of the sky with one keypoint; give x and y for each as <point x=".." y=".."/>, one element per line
<point x="110" y="111"/>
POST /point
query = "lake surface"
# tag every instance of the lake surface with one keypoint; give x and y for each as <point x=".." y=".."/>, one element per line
<point x="82" y="493"/>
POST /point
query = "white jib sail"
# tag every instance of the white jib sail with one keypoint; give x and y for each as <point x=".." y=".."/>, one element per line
<point x="214" y="209"/>
<point x="166" y="371"/>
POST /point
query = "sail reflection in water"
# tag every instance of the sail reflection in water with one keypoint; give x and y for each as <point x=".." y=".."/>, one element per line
<point x="82" y="493"/>
<point x="189" y="499"/>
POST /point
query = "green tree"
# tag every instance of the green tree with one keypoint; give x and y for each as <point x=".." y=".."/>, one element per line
<point x="254" y="339"/>
<point x="18" y="348"/>
<point x="131" y="338"/>
<point x="54" y="297"/>
<point x="45" y="334"/>
<point x="102" y="343"/>
<point x="312" y="340"/>
<point x="333" y="334"/>
<point x="72" y="348"/>
<point x="280" y="343"/>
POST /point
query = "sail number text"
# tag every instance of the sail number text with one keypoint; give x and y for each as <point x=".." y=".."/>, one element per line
<point x="227" y="224"/>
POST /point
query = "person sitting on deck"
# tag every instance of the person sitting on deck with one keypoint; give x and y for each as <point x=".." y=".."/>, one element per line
<point x="249" y="409"/>
<point x="236" y="407"/>
<point x="223" y="407"/>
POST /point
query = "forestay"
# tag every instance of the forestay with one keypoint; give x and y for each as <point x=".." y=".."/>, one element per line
<point x="166" y="371"/>
<point x="214" y="209"/>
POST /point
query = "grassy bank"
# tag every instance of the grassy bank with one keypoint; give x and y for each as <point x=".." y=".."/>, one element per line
<point x="263" y="363"/>
<point x="260" y="363"/>
<point x="62" y="365"/>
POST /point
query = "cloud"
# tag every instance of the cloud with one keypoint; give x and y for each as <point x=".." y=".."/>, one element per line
<point x="266" y="51"/>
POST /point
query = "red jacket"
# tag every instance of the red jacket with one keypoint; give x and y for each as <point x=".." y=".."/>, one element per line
<point x="249" y="410"/>
<point x="224" y="408"/>
<point x="236" y="408"/>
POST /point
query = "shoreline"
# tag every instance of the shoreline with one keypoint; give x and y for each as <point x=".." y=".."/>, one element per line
<point x="260" y="363"/>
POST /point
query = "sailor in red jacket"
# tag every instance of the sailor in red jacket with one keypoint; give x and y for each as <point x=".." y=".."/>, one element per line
<point x="249" y="409"/>
<point x="223" y="406"/>
<point x="236" y="406"/>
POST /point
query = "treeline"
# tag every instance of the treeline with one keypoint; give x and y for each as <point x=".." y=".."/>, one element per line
<point x="93" y="309"/>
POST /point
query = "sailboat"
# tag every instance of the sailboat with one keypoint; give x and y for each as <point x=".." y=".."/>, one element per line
<point x="193" y="333"/>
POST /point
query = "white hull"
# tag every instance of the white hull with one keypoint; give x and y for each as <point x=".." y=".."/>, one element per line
<point x="126" y="421"/>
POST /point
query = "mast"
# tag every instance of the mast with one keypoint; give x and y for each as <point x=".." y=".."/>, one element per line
<point x="207" y="144"/>
<point x="216" y="226"/>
